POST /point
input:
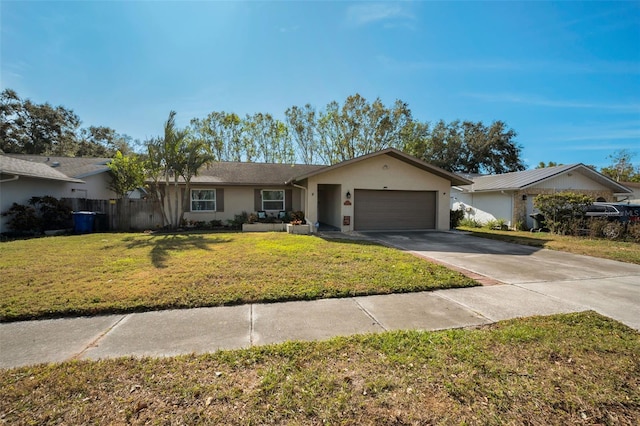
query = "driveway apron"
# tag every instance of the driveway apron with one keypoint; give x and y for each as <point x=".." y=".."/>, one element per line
<point x="542" y="281"/>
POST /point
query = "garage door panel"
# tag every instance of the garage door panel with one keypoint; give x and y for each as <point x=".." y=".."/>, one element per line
<point x="377" y="210"/>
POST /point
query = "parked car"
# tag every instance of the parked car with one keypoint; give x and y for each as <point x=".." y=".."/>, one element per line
<point x="627" y="213"/>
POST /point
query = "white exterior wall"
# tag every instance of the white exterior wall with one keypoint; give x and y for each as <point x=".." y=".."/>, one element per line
<point x="381" y="172"/>
<point x="20" y="191"/>
<point x="97" y="187"/>
<point x="485" y="207"/>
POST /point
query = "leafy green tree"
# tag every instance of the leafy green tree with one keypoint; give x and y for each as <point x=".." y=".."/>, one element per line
<point x="165" y="165"/>
<point x="469" y="147"/>
<point x="358" y="127"/>
<point x="30" y="128"/>
<point x="542" y="164"/>
<point x="622" y="169"/>
<point x="101" y="141"/>
<point x="127" y="174"/>
<point x="302" y="127"/>
<point x="192" y="156"/>
<point x="177" y="154"/>
<point x="210" y="131"/>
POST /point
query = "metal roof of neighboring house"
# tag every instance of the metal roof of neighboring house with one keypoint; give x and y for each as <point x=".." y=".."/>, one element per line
<point x="238" y="173"/>
<point x="77" y="167"/>
<point x="399" y="155"/>
<point x="527" y="178"/>
<point x="631" y="185"/>
<point x="10" y="165"/>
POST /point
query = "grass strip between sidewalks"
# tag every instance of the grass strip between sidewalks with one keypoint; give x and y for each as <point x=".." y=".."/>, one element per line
<point x="104" y="273"/>
<point x="564" y="369"/>
<point x="597" y="247"/>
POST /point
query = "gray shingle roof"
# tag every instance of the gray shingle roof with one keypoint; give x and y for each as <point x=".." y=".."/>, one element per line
<point x="526" y="178"/>
<point x="18" y="167"/>
<point x="236" y="173"/>
<point x="77" y="167"/>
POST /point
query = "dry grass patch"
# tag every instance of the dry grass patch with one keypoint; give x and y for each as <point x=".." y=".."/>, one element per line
<point x="101" y="273"/>
<point x="606" y="249"/>
<point x="564" y="369"/>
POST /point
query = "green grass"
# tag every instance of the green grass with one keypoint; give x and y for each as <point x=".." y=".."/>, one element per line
<point x="615" y="250"/>
<point x="564" y="369"/>
<point x="101" y="273"/>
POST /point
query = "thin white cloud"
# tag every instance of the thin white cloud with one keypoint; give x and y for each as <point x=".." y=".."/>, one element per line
<point x="606" y="131"/>
<point x="534" y="100"/>
<point x="390" y="14"/>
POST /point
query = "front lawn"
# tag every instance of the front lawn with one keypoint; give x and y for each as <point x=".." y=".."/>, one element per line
<point x="102" y="273"/>
<point x="564" y="369"/>
<point x="597" y="247"/>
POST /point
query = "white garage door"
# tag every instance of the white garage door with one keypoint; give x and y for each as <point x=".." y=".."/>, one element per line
<point x="382" y="210"/>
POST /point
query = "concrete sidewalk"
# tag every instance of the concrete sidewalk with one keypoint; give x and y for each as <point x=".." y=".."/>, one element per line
<point x="530" y="282"/>
<point x="167" y="333"/>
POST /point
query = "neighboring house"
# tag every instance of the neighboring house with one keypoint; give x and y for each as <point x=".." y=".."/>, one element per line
<point x="634" y="197"/>
<point x="510" y="196"/>
<point x="25" y="176"/>
<point x="384" y="190"/>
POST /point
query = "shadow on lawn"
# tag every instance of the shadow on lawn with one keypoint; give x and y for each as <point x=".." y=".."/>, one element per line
<point x="161" y="245"/>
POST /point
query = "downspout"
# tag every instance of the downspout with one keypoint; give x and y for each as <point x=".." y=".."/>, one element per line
<point x="306" y="203"/>
<point x="16" y="177"/>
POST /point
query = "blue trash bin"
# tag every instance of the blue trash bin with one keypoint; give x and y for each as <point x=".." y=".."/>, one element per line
<point x="83" y="222"/>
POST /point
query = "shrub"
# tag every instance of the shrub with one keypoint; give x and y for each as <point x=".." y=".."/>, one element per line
<point x="563" y="210"/>
<point x="633" y="232"/>
<point x="22" y="218"/>
<point x="297" y="217"/>
<point x="42" y="214"/>
<point x="500" y="224"/>
<point x="239" y="220"/>
<point x="470" y="223"/>
<point x="54" y="213"/>
<point x="455" y="217"/>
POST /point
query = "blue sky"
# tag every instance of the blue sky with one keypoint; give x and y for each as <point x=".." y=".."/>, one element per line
<point x="564" y="75"/>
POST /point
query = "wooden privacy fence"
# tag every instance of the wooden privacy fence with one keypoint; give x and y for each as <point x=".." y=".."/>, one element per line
<point x="122" y="214"/>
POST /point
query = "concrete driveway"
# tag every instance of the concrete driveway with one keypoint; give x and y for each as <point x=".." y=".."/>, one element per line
<point x="606" y="286"/>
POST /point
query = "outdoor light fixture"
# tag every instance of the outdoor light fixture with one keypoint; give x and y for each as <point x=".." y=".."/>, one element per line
<point x="348" y="195"/>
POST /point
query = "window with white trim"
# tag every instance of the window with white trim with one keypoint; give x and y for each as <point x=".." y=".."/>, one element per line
<point x="203" y="200"/>
<point x="273" y="199"/>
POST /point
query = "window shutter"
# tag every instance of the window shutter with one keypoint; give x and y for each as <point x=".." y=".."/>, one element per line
<point x="219" y="200"/>
<point x="288" y="200"/>
<point x="257" y="200"/>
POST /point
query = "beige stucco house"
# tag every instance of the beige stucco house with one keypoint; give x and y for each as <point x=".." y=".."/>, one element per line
<point x="383" y="190"/>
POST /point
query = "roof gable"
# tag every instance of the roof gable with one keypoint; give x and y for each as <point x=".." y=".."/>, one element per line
<point x="392" y="152"/>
